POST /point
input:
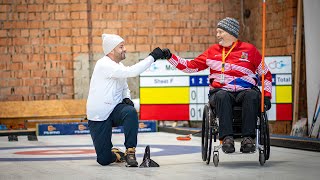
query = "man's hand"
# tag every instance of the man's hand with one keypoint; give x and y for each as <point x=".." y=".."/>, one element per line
<point x="157" y="54"/>
<point x="267" y="102"/>
<point x="167" y="53"/>
<point x="127" y="101"/>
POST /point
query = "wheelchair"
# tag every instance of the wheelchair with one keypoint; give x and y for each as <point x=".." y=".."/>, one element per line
<point x="210" y="131"/>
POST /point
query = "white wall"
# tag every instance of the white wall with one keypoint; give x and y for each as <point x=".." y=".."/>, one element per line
<point x="311" y="10"/>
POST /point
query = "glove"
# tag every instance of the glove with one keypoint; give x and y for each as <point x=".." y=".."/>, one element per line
<point x="127" y="101"/>
<point x="267" y="103"/>
<point x="157" y="54"/>
<point x="167" y="53"/>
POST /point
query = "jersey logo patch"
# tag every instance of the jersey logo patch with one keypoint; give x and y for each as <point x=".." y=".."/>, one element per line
<point x="244" y="57"/>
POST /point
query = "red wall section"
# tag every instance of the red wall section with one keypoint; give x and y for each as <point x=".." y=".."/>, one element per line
<point x="164" y="112"/>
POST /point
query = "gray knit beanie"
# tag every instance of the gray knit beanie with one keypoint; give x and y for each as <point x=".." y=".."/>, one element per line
<point x="230" y="25"/>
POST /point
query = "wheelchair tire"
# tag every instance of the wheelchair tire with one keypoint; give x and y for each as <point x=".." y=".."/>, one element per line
<point x="216" y="160"/>
<point x="205" y="133"/>
<point x="262" y="159"/>
<point x="265" y="136"/>
<point x="210" y="145"/>
<point x="267" y="154"/>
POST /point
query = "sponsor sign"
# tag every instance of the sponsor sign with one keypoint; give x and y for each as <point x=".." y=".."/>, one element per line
<point x="82" y="128"/>
<point x="164" y="68"/>
<point x="144" y="126"/>
<point x="62" y="129"/>
<point x="279" y="64"/>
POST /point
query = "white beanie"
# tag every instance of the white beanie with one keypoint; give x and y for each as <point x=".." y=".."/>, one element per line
<point x="109" y="42"/>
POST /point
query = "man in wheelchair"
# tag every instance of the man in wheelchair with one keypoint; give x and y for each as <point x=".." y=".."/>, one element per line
<point x="235" y="69"/>
<point x="223" y="102"/>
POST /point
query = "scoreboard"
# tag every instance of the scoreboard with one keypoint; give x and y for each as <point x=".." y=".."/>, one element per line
<point x="167" y="93"/>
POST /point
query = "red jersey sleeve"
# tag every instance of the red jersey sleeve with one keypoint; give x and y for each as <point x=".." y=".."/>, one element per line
<point x="266" y="72"/>
<point x="190" y="66"/>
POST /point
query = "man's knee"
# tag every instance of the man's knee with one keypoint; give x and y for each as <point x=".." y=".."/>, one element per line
<point x="252" y="95"/>
<point x="104" y="161"/>
<point x="221" y="95"/>
<point x="218" y="96"/>
<point x="131" y="116"/>
<point x="131" y="110"/>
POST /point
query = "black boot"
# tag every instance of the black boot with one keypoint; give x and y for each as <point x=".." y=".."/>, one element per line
<point x="119" y="155"/>
<point x="247" y="145"/>
<point x="131" y="157"/>
<point x="228" y="145"/>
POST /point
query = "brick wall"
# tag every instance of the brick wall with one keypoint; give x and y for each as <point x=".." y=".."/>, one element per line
<point x="48" y="47"/>
<point x="280" y="25"/>
<point x="39" y="42"/>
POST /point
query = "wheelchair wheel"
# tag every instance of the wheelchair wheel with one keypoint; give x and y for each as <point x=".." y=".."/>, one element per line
<point x="205" y="133"/>
<point x="265" y="136"/>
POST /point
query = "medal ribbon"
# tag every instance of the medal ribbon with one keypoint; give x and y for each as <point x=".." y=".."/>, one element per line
<point x="225" y="56"/>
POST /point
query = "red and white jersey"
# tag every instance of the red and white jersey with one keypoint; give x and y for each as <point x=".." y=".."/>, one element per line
<point x="242" y="69"/>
